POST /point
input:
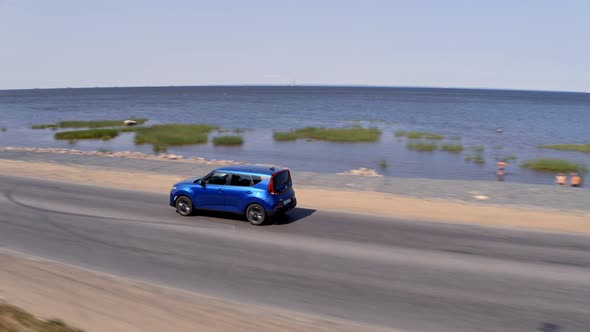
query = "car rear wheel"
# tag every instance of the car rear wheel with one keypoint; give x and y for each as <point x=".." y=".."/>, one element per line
<point x="255" y="214"/>
<point x="184" y="206"/>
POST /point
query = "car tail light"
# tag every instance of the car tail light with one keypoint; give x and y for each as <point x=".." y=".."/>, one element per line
<point x="271" y="186"/>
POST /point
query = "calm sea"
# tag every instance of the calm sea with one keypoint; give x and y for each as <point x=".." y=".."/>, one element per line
<point x="526" y="119"/>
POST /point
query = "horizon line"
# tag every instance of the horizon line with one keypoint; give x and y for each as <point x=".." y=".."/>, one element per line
<point x="299" y="85"/>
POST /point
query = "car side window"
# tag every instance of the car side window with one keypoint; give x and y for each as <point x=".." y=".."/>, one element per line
<point x="240" y="180"/>
<point x="218" y="178"/>
<point x="256" y="180"/>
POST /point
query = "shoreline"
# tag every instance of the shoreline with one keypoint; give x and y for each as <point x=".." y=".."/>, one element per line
<point x="460" y="130"/>
<point x="360" y="171"/>
<point x="535" y="207"/>
<point x="126" y="154"/>
<point x="517" y="194"/>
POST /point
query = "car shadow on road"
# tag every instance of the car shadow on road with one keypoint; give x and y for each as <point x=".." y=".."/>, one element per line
<point x="293" y="216"/>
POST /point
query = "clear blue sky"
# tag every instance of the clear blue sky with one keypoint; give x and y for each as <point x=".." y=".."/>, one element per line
<point x="513" y="44"/>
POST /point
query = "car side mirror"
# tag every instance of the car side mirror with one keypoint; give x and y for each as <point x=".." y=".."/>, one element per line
<point x="202" y="183"/>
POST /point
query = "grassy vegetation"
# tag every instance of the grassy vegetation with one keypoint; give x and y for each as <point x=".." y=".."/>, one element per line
<point x="13" y="319"/>
<point x="433" y="136"/>
<point x="285" y="136"/>
<point x="400" y="133"/>
<point x="422" y="146"/>
<point x="453" y="148"/>
<point x="45" y="126"/>
<point x="348" y="134"/>
<point x="165" y="135"/>
<point x="383" y="164"/>
<point x="418" y="134"/>
<point x="104" y="134"/>
<point x="455" y="138"/>
<point x="478" y="148"/>
<point x="567" y="147"/>
<point x="553" y="165"/>
<point x="97" y="124"/>
<point x="160" y="136"/>
<point x="228" y="140"/>
<point x="159" y="147"/>
<point x="478" y="159"/>
<point x="414" y="134"/>
<point x="88" y="124"/>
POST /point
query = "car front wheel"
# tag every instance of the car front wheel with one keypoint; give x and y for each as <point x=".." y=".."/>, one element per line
<point x="255" y="214"/>
<point x="184" y="206"/>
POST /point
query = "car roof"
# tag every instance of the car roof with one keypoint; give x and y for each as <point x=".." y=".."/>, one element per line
<point x="266" y="170"/>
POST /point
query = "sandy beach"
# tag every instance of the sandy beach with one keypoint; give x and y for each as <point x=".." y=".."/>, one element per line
<point x="99" y="302"/>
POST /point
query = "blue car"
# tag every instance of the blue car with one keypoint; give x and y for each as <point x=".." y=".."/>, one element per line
<point x="256" y="192"/>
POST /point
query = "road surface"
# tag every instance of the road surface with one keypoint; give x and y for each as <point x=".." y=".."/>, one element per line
<point x="407" y="275"/>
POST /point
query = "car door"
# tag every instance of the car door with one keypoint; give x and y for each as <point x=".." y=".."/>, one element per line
<point x="210" y="193"/>
<point x="238" y="192"/>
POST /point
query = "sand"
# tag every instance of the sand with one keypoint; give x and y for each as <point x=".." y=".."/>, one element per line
<point x="98" y="302"/>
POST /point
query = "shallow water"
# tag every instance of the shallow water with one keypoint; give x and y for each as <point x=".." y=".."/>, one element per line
<point x="527" y="119"/>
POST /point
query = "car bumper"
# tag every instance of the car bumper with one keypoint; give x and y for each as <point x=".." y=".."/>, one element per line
<point x="280" y="208"/>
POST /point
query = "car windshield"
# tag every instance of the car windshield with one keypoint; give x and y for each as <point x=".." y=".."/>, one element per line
<point x="217" y="178"/>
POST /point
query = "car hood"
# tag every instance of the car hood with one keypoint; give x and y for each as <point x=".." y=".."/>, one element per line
<point x="190" y="180"/>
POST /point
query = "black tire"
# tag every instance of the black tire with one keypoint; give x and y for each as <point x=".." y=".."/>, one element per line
<point x="255" y="214"/>
<point x="184" y="206"/>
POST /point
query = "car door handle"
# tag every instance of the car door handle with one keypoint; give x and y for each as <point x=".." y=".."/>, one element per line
<point x="248" y="192"/>
<point x="220" y="189"/>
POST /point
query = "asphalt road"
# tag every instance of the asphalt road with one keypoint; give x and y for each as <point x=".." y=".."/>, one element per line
<point x="407" y="275"/>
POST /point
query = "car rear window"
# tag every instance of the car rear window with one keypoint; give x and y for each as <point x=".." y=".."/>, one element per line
<point x="282" y="181"/>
